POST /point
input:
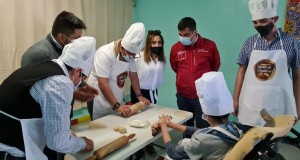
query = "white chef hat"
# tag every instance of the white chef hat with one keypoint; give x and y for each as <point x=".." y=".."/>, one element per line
<point x="133" y="40"/>
<point x="214" y="96"/>
<point x="261" y="9"/>
<point x="80" y="54"/>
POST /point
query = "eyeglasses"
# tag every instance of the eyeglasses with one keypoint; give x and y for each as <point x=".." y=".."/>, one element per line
<point x="132" y="55"/>
<point x="154" y="32"/>
<point x="67" y="38"/>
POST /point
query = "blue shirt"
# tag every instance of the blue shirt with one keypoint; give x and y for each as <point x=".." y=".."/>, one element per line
<point x="54" y="94"/>
<point x="290" y="45"/>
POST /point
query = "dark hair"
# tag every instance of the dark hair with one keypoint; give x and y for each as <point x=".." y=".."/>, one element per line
<point x="150" y="36"/>
<point x="66" y="23"/>
<point x="187" y="22"/>
<point x="220" y="118"/>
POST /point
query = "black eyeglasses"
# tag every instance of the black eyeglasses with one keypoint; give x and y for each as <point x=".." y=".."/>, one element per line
<point x="154" y="32"/>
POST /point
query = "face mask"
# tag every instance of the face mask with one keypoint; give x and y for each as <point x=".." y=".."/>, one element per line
<point x="265" y="30"/>
<point x="75" y="87"/>
<point x="68" y="41"/>
<point x="127" y="59"/>
<point x="156" y="50"/>
<point x="186" y="40"/>
<point x="78" y="84"/>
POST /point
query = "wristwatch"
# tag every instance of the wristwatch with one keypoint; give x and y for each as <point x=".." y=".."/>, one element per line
<point x="116" y="106"/>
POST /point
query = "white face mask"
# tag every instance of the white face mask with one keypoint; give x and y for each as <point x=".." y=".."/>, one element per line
<point x="76" y="86"/>
<point x="127" y="59"/>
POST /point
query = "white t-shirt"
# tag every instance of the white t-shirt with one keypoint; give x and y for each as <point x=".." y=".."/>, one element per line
<point x="151" y="75"/>
<point x="104" y="61"/>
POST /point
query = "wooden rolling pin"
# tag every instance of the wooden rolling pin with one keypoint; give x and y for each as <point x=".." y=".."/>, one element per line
<point x="111" y="147"/>
<point x="137" y="107"/>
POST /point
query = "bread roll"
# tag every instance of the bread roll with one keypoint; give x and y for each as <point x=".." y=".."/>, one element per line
<point x="122" y="130"/>
<point x="137" y="107"/>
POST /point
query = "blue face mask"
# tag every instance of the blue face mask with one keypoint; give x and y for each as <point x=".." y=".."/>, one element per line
<point x="127" y="59"/>
<point x="186" y="40"/>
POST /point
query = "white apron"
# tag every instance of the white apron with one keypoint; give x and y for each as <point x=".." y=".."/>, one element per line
<point x="117" y="77"/>
<point x="268" y="85"/>
<point x="34" y="138"/>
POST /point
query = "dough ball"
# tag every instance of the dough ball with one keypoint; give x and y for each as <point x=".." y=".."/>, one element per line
<point x="116" y="128"/>
<point x="122" y="130"/>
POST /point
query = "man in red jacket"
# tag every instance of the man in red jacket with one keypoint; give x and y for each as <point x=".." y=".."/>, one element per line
<point x="190" y="58"/>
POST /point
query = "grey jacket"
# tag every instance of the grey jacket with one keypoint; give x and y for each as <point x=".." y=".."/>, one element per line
<point x="45" y="49"/>
<point x="204" y="143"/>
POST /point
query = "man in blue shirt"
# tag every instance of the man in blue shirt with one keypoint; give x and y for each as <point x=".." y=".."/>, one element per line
<point x="268" y="76"/>
<point x="44" y="91"/>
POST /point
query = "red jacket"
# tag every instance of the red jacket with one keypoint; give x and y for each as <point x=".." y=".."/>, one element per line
<point x="191" y="62"/>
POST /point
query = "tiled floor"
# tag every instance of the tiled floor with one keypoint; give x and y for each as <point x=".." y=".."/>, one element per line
<point x="289" y="152"/>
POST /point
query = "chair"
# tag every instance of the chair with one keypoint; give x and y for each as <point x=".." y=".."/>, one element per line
<point x="258" y="142"/>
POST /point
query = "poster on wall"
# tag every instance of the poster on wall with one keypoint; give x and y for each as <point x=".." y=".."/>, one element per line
<point x="292" y="18"/>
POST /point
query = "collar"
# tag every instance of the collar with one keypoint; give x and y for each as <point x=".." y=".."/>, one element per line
<point x="62" y="66"/>
<point x="56" y="43"/>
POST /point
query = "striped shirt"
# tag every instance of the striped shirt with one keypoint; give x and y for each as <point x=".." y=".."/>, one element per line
<point x="54" y="94"/>
<point x="290" y="45"/>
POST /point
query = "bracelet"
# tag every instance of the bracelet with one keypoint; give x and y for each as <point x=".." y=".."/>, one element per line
<point x="137" y="95"/>
<point x="116" y="106"/>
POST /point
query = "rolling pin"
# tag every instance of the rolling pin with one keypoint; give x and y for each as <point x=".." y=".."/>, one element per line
<point x="111" y="147"/>
<point x="137" y="107"/>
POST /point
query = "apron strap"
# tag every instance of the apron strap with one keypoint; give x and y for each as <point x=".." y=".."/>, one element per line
<point x="258" y="36"/>
<point x="280" y="39"/>
<point x="8" y="115"/>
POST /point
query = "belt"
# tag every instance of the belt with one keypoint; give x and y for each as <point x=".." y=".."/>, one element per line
<point x="7" y="156"/>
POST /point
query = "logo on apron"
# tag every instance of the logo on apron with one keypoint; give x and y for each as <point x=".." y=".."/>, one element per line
<point x="121" y="79"/>
<point x="264" y="69"/>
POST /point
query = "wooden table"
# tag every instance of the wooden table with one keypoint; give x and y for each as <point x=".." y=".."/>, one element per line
<point x="143" y="135"/>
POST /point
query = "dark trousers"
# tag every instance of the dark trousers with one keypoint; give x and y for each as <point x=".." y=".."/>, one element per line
<point x="144" y="92"/>
<point x="192" y="105"/>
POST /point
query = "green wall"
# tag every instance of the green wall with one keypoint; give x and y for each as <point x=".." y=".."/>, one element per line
<point x="226" y="22"/>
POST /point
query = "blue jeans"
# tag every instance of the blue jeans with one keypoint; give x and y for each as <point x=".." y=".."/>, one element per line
<point x="192" y="105"/>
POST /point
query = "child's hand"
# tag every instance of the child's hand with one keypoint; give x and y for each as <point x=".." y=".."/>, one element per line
<point x="164" y="119"/>
<point x="155" y="128"/>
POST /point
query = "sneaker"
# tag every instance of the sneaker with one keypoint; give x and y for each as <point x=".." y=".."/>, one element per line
<point x="150" y="149"/>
